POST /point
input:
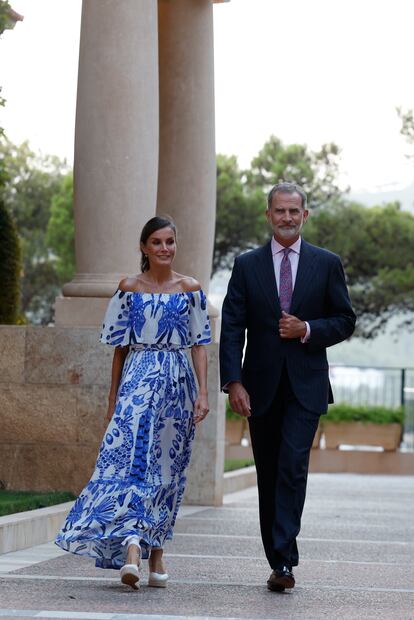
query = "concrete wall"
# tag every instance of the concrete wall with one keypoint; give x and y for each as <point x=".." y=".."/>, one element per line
<point x="53" y="394"/>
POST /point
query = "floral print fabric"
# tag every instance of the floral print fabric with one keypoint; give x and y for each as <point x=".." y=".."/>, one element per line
<point x="139" y="478"/>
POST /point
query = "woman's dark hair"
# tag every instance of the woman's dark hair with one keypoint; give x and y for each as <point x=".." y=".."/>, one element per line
<point x="154" y="224"/>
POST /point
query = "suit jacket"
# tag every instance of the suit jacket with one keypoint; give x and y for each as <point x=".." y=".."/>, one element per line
<point x="320" y="296"/>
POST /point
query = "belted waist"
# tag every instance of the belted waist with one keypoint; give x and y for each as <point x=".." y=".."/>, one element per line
<point x="155" y="347"/>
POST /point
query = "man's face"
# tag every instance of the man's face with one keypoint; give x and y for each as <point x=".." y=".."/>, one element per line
<point x="286" y="216"/>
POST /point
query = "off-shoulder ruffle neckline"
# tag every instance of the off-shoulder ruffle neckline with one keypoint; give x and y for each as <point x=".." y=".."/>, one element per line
<point x="150" y="293"/>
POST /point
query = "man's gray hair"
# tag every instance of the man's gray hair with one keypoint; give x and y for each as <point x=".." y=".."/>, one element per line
<point x="285" y="187"/>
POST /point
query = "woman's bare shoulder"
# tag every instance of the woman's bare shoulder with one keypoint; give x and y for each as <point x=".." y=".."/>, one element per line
<point x="129" y="284"/>
<point x="189" y="284"/>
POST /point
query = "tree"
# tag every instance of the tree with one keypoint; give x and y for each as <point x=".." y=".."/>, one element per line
<point x="10" y="256"/>
<point x="407" y="125"/>
<point x="31" y="182"/>
<point x="376" y="245"/>
<point x="8" y="19"/>
<point x="60" y="236"/>
<point x="9" y="268"/>
<point x="239" y="214"/>
<point x="241" y="195"/>
<point x="317" y="172"/>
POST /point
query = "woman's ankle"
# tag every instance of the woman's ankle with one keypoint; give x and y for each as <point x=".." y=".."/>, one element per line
<point x="133" y="554"/>
<point x="156" y="561"/>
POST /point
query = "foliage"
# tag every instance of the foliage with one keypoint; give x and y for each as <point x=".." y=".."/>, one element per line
<point x="60" y="236"/>
<point x="376" y="246"/>
<point x="19" y="501"/>
<point x="31" y="183"/>
<point x="5" y="21"/>
<point x="239" y="214"/>
<point x="10" y="256"/>
<point x="241" y="195"/>
<point x="373" y="414"/>
<point x="233" y="464"/>
<point x="316" y="171"/>
<point x="407" y="125"/>
<point x="9" y="268"/>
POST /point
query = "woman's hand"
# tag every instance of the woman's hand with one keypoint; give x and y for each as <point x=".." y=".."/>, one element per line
<point x="111" y="409"/>
<point x="200" y="408"/>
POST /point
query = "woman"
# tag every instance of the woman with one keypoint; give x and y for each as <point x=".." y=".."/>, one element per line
<point x="128" y="509"/>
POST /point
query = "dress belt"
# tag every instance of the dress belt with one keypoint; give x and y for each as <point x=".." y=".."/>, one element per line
<point x="156" y="347"/>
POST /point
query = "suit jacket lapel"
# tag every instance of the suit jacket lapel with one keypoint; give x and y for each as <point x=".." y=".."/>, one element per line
<point x="266" y="277"/>
<point x="303" y="276"/>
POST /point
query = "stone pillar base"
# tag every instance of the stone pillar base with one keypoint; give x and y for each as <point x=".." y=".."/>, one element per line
<point x="53" y="398"/>
<point x="80" y="311"/>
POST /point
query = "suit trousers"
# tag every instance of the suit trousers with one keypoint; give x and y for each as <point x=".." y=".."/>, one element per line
<point x="281" y="441"/>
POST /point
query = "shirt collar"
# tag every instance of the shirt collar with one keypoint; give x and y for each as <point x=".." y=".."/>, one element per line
<point x="277" y="247"/>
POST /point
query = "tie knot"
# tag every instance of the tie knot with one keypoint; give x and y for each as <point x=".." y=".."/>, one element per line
<point x="286" y="252"/>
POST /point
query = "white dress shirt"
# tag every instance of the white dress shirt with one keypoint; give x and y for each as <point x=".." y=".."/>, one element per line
<point x="293" y="256"/>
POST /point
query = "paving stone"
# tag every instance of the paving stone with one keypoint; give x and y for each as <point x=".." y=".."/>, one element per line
<point x="250" y="601"/>
<point x="357" y="562"/>
<point x="229" y="571"/>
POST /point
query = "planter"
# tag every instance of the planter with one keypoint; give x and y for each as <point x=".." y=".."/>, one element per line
<point x="236" y="429"/>
<point x="387" y="436"/>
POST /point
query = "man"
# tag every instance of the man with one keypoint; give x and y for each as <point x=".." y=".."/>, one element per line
<point x="292" y="299"/>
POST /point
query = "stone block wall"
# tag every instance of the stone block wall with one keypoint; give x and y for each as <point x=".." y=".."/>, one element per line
<point x="53" y="396"/>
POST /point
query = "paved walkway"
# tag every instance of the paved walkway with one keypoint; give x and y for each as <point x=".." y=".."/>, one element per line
<point x="357" y="562"/>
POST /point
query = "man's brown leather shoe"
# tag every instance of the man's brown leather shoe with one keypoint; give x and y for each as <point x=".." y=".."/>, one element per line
<point x="281" y="579"/>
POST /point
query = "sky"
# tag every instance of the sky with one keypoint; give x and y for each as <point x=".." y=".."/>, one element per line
<point x="307" y="71"/>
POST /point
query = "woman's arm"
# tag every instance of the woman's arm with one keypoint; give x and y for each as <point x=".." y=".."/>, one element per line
<point x="199" y="357"/>
<point x="118" y="360"/>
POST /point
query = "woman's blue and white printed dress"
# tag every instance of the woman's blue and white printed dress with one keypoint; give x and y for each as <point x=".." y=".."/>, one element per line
<point x="139" y="477"/>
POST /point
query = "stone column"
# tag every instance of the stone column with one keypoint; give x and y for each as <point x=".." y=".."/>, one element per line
<point x="116" y="151"/>
<point x="187" y="192"/>
<point x="205" y="482"/>
<point x="187" y="166"/>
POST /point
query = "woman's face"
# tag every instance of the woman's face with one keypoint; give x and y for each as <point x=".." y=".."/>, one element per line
<point x="160" y="247"/>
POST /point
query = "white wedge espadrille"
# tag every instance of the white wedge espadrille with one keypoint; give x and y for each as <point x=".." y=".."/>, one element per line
<point x="158" y="580"/>
<point x="130" y="575"/>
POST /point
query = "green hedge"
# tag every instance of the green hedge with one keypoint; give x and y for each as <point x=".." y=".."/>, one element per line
<point x="350" y="413"/>
<point x="355" y="413"/>
<point x="19" y="501"/>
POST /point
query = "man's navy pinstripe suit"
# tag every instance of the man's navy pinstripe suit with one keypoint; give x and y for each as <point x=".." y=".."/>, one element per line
<point x="287" y="380"/>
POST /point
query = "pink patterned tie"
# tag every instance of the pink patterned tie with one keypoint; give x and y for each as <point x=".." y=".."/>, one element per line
<point x="285" y="284"/>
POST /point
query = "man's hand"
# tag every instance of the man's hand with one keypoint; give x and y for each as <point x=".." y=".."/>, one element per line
<point x="239" y="399"/>
<point x="291" y="327"/>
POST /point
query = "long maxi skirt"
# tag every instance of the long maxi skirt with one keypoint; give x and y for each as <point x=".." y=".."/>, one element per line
<point x="139" y="477"/>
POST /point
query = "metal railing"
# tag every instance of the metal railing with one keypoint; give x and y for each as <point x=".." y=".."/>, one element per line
<point x="371" y="385"/>
<point x="384" y="386"/>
